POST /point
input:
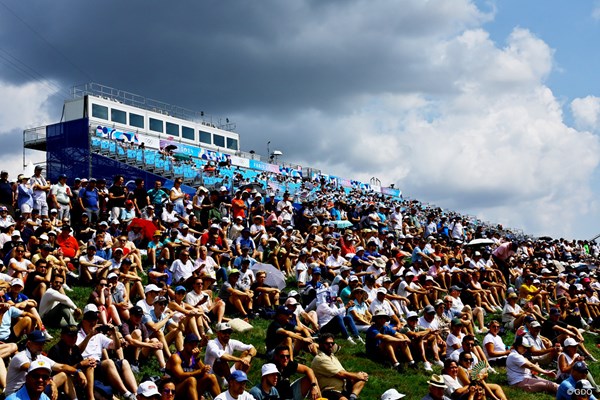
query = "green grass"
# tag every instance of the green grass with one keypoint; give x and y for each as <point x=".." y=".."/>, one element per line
<point x="413" y="383"/>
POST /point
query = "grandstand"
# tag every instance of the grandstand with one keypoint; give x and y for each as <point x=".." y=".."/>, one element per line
<point x="107" y="132"/>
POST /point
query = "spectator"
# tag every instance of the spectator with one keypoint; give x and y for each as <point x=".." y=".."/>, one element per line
<point x="301" y="388"/>
<point x="383" y="342"/>
<point x="337" y="383"/>
<point x="518" y="370"/>
<point x="437" y="386"/>
<point x="38" y="376"/>
<point x="237" y="387"/>
<point x="56" y="308"/>
<point x="266" y="389"/>
<point x="579" y="373"/>
<point x="220" y="352"/>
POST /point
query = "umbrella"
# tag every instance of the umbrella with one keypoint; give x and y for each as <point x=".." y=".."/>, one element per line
<point x="480" y="242"/>
<point x="341" y="224"/>
<point x="181" y="156"/>
<point x="148" y="228"/>
<point x="275" y="277"/>
<point x="170" y="147"/>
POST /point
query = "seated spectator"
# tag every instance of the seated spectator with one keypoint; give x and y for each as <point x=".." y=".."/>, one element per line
<point x="542" y="350"/>
<point x="56" y="308"/>
<point x="67" y="352"/>
<point x="191" y="319"/>
<point x="265" y="296"/>
<point x="162" y="327"/>
<point x="383" y="342"/>
<point x="557" y="331"/>
<point x="36" y="379"/>
<point x="336" y="382"/>
<point x="237" y="387"/>
<point x="220" y="352"/>
<point x="21" y="362"/>
<point x="333" y="319"/>
<point x="236" y="301"/>
<point x="518" y="370"/>
<point x="91" y="266"/>
<point x="139" y="343"/>
<point x="494" y="348"/>
<point x="283" y="333"/>
<point x="512" y="313"/>
<point x="579" y="373"/>
<point x="437" y="388"/>
<point x="101" y="296"/>
<point x="466" y="361"/>
<point x="454" y="388"/>
<point x="266" y="389"/>
<point x="201" y="296"/>
<point x="568" y="359"/>
<point x="92" y="341"/>
<point x="192" y="378"/>
<point x="298" y="389"/>
<point x="15" y="298"/>
<point x="359" y="311"/>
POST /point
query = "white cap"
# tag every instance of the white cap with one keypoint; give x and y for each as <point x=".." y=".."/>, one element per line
<point x="115" y="221"/>
<point x="39" y="364"/>
<point x="353" y="278"/>
<point x="292" y="293"/>
<point x="17" y="282"/>
<point x="411" y="314"/>
<point x="223" y="326"/>
<point x="148" y="389"/>
<point x="268" y="369"/>
<point x="90" y="308"/>
<point x="151" y="288"/>
<point x="392" y="394"/>
<point x="112" y="275"/>
<point x="16" y="233"/>
<point x="381" y="290"/>
<point x="291" y="301"/>
<point x="570" y="342"/>
<point x="43" y="236"/>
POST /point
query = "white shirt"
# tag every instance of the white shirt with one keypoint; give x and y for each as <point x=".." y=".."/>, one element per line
<point x="226" y="396"/>
<point x="215" y="350"/>
<point x="95" y="345"/>
<point x="15" y="377"/>
<point x="53" y="297"/>
<point x="498" y="345"/>
<point x="182" y="271"/>
<point x="326" y="312"/>
<point x="515" y="370"/>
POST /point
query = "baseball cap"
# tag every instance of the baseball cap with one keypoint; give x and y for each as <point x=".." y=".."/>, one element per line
<point x="411" y="314"/>
<point x="429" y="309"/>
<point x="291" y="301"/>
<point x="90" y="308"/>
<point x="580" y="366"/>
<point x="112" y="275"/>
<point x="152" y="288"/>
<point x="39" y="364"/>
<point x="180" y="289"/>
<point x="36" y="336"/>
<point x="283" y="310"/>
<point x="136" y="310"/>
<point x="570" y="342"/>
<point x="223" y="326"/>
<point x="535" y="324"/>
<point x="16" y="282"/>
<point x="238" y="376"/>
<point x="584" y="384"/>
<point x="521" y="341"/>
<point x="148" y="389"/>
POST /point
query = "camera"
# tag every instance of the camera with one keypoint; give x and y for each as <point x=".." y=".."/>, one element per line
<point x="103" y="329"/>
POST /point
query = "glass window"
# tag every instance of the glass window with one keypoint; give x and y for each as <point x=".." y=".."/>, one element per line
<point x="156" y="125"/>
<point x="219" y="140"/>
<point x="136" y="120"/>
<point x="187" y="133"/>
<point x="232" y="144"/>
<point x="99" y="111"/>
<point x="172" y="129"/>
<point x="205" y="137"/>
<point x="118" y="116"/>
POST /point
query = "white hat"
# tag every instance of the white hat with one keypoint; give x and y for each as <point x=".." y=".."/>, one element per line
<point x="43" y="236"/>
<point x="437" y="381"/>
<point x="38" y="364"/>
<point x="151" y="288"/>
<point x="268" y="369"/>
<point x="570" y="342"/>
<point x="546" y="271"/>
<point x="223" y="326"/>
<point x="91" y="307"/>
<point x="17" y="282"/>
<point x="291" y="301"/>
<point x="392" y="394"/>
<point x="223" y="189"/>
<point x="112" y="275"/>
<point x="16" y="233"/>
<point x="353" y="278"/>
<point x="411" y="314"/>
<point x="292" y="293"/>
<point x="148" y="389"/>
<point x="381" y="290"/>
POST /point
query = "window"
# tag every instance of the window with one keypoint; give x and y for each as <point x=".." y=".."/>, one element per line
<point x="118" y="116"/>
<point x="187" y="133"/>
<point x="205" y="137"/>
<point x="136" y="120"/>
<point x="99" y="111"/>
<point x="156" y="125"/>
<point x="172" y="129"/>
<point x="232" y="144"/>
<point x="219" y="140"/>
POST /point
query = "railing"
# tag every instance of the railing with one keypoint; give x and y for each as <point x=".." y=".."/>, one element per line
<point x="34" y="135"/>
<point x="142" y="102"/>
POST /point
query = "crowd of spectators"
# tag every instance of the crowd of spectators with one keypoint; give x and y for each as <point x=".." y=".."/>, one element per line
<point x="172" y="277"/>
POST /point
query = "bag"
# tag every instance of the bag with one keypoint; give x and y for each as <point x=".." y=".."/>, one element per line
<point x="239" y="325"/>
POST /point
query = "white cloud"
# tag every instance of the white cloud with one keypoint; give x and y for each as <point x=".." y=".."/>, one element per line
<point x="586" y="112"/>
<point x="596" y="11"/>
<point x="21" y="107"/>
<point x="496" y="146"/>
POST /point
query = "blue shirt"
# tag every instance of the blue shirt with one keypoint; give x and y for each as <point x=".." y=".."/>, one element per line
<point x="22" y="394"/>
<point x="7" y="317"/>
<point x="565" y="387"/>
<point x="372" y="345"/>
<point x="89" y="198"/>
<point x="259" y="394"/>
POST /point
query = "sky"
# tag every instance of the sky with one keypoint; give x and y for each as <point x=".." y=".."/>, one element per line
<point x="490" y="108"/>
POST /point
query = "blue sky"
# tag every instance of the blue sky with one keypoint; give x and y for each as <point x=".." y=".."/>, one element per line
<point x="486" y="107"/>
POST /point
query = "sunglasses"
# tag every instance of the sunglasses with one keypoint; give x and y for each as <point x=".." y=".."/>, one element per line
<point x="168" y="391"/>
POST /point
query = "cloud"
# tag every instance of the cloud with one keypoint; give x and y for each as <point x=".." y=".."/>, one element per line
<point x="586" y="112"/>
<point x="596" y="11"/>
<point x="21" y="107"/>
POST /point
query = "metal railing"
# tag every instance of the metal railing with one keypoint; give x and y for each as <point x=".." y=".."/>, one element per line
<point x="135" y="100"/>
<point x="34" y="135"/>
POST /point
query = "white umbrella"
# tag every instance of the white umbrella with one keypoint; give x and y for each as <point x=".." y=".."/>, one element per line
<point x="275" y="277"/>
<point x="480" y="242"/>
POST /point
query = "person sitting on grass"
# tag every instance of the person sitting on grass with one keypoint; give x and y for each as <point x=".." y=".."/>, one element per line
<point x="264" y="295"/>
<point x="305" y="387"/>
<point x="157" y="323"/>
<point x="518" y="370"/>
<point x="422" y="339"/>
<point x="139" y="343"/>
<point x="220" y="352"/>
<point x="92" y="342"/>
<point x="466" y="361"/>
<point x="266" y="388"/>
<point x="336" y="381"/>
<point x="282" y="333"/>
<point x="579" y="372"/>
<point x="201" y="297"/>
<point x="192" y="378"/>
<point x="237" y="387"/>
<point x="38" y="376"/>
<point x="383" y="342"/>
<point x="236" y="301"/>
